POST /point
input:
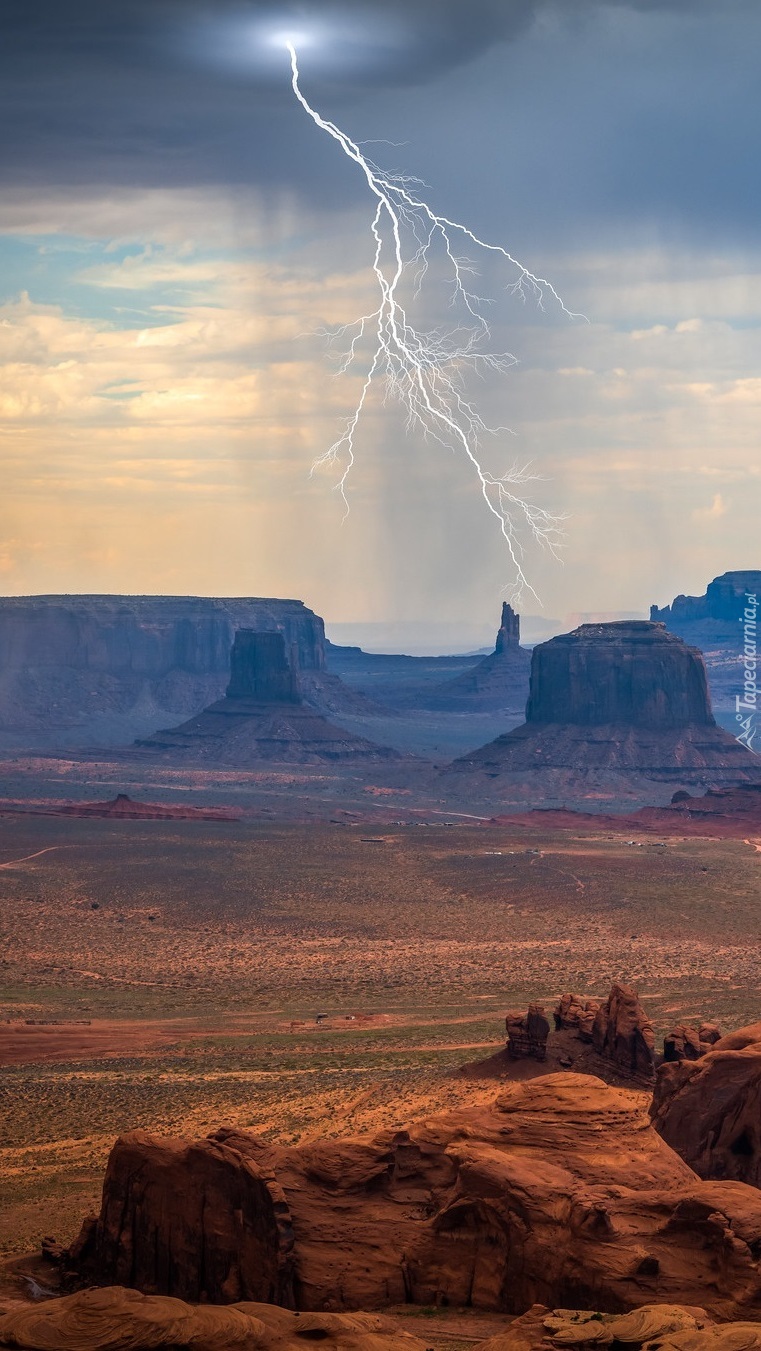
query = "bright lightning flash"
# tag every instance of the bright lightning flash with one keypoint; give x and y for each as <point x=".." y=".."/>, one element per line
<point x="425" y="370"/>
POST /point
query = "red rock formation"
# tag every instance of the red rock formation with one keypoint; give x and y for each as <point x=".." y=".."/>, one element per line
<point x="654" y="1327"/>
<point x="527" y="1034"/>
<point x="709" y="1110"/>
<point x="690" y="1043"/>
<point x="577" y="1012"/>
<point x="627" y="697"/>
<point x="560" y="1192"/>
<point x="194" y="1219"/>
<point x="124" y="808"/>
<point x="623" y="1032"/>
<point x="124" y="1320"/>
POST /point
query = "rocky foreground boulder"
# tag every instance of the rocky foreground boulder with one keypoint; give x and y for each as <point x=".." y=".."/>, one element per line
<point x="709" y="1109"/>
<point x="627" y="697"/>
<point x="654" y="1327"/>
<point x="115" y="1319"/>
<point x="560" y="1192"/>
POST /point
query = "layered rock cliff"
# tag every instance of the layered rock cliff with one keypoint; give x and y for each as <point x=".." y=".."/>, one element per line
<point x="112" y="666"/>
<point x="624" y="697"/>
<point x="558" y="1192"/>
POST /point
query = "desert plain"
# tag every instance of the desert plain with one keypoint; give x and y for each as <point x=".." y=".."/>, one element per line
<point x="314" y="979"/>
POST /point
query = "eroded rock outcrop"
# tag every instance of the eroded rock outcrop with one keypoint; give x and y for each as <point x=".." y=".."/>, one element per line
<point x="263" y="717"/>
<point x="627" y="697"/>
<point x="527" y="1034"/>
<point x="653" y="1327"/>
<point x="559" y="1193"/>
<point x="709" y="1109"/>
<point x="119" y="1319"/>
<point x="623" y="1033"/>
<point x="690" y="1043"/>
<point x="577" y="1013"/>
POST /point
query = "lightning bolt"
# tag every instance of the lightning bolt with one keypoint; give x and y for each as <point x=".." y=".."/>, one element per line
<point x="425" y="370"/>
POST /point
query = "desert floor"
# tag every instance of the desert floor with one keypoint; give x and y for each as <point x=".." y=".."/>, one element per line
<point x="169" y="975"/>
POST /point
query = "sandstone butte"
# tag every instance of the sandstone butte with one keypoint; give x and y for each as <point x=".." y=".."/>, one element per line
<point x="560" y="1192"/>
<point x="709" y="1109"/>
<point x="263" y="716"/>
<point x="627" y="697"/>
<point x="118" y="1319"/>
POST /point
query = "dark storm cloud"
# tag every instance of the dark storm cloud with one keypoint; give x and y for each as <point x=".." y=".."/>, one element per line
<point x="166" y="90"/>
<point x="150" y="92"/>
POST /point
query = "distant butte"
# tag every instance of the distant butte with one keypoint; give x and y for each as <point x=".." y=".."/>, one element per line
<point x="263" y="717"/>
<point x="500" y="680"/>
<point x="627" y="697"/>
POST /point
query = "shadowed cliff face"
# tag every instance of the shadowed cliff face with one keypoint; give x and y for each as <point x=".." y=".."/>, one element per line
<point x="633" y="672"/>
<point x="259" y="669"/>
<point x="117" y="664"/>
<point x="263" y="716"/>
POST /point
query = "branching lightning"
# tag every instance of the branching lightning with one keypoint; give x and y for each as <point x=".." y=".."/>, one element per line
<point x="425" y="370"/>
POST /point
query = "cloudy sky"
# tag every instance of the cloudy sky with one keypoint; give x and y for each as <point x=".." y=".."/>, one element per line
<point x="177" y="235"/>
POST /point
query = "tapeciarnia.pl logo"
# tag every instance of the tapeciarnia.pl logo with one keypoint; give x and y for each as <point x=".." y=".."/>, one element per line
<point x="746" y="704"/>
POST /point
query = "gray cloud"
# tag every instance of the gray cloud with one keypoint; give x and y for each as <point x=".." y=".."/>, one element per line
<point x="151" y="92"/>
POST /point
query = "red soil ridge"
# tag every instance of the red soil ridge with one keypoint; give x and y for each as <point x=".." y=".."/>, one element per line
<point x="122" y="808"/>
<point x="731" y="813"/>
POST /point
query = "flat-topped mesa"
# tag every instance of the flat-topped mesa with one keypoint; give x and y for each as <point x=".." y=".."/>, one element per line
<point x="260" y="669"/>
<point x="628" y="697"/>
<point x="725" y="599"/>
<point x="630" y="671"/>
<point x="104" y="669"/>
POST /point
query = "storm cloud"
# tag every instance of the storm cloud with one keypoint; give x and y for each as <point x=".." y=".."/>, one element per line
<point x="179" y="92"/>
